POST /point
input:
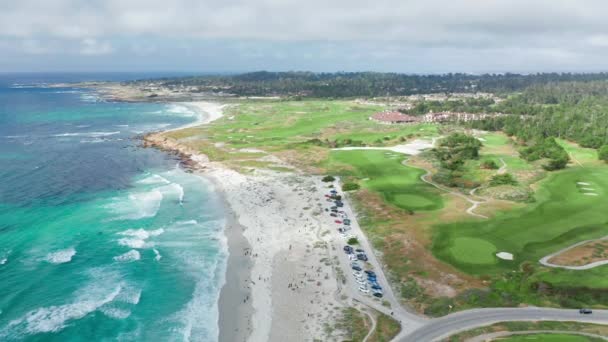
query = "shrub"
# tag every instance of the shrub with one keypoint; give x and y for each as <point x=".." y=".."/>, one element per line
<point x="602" y="153"/>
<point x="489" y="164"/>
<point x="328" y="179"/>
<point x="504" y="179"/>
<point x="353" y="241"/>
<point x="349" y="186"/>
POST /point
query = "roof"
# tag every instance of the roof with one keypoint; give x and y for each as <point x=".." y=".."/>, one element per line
<point x="393" y="117"/>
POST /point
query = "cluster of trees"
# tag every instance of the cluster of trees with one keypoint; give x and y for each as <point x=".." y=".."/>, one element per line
<point x="546" y="148"/>
<point x="355" y="84"/>
<point x="452" y="152"/>
<point x="503" y="179"/>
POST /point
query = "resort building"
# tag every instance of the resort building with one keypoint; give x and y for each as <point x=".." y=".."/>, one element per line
<point x="394" y="118"/>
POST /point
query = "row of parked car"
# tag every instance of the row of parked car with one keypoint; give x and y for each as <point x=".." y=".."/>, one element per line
<point x="367" y="280"/>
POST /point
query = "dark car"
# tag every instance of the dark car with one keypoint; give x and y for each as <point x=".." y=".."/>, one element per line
<point x="378" y="294"/>
<point x="370" y="273"/>
<point x="333" y="215"/>
<point x="348" y="249"/>
<point x="356" y="268"/>
<point x="585" y="311"/>
<point x="362" y="257"/>
<point x="339" y="204"/>
<point x="372" y="278"/>
<point x="359" y="250"/>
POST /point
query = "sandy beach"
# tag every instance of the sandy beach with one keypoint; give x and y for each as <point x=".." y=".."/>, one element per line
<point x="280" y="282"/>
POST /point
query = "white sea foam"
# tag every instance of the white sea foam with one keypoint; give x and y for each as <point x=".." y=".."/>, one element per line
<point x="157" y="256"/>
<point x="61" y="256"/>
<point x="54" y="318"/>
<point x="175" y="189"/>
<point x="129" y="256"/>
<point x="3" y="261"/>
<point x="129" y="294"/>
<point x="154" y="179"/>
<point x="87" y="134"/>
<point x="139" y="205"/>
<point x="115" y="313"/>
<point x="136" y="238"/>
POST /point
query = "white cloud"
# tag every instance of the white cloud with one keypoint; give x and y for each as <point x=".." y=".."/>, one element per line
<point x="92" y="47"/>
<point x="554" y="31"/>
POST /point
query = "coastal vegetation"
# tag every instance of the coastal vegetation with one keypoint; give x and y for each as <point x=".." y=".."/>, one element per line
<point x="539" y="177"/>
<point x="521" y="327"/>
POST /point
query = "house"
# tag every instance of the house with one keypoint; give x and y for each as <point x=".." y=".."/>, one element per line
<point x="393" y="118"/>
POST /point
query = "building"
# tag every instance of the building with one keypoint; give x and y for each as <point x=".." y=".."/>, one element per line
<point x="393" y="118"/>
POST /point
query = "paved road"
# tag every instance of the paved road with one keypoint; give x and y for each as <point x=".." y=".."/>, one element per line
<point x="409" y="321"/>
<point x="443" y="327"/>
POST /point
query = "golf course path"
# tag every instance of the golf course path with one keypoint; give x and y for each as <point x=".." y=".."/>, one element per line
<point x="500" y="334"/>
<point x="443" y="327"/>
<point x="545" y="260"/>
<point x="503" y="168"/>
<point x="474" y="203"/>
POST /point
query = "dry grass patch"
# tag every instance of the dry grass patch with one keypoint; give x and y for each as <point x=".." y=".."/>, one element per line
<point x="582" y="255"/>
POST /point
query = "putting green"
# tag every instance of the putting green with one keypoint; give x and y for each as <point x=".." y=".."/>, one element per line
<point x="398" y="184"/>
<point x="473" y="251"/>
<point x="560" y="217"/>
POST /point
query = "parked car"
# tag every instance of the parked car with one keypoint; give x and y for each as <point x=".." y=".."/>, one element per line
<point x="370" y="273"/>
<point x="378" y="294"/>
<point x="333" y="215"/>
<point x="357" y="273"/>
<point x="363" y="289"/>
<point x="356" y="268"/>
<point x="346" y="221"/>
<point x="338" y="221"/>
<point x="352" y="257"/>
<point x="585" y="311"/>
<point x="359" y="250"/>
<point x="362" y="257"/>
<point x="348" y="249"/>
<point x="376" y="287"/>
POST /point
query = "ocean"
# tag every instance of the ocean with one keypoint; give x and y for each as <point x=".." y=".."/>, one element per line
<point x="101" y="239"/>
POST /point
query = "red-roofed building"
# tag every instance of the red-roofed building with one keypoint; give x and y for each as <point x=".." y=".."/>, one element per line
<point x="393" y="118"/>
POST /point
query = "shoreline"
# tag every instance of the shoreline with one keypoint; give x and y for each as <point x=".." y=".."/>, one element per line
<point x="234" y="305"/>
<point x="288" y="271"/>
<point x="235" y="308"/>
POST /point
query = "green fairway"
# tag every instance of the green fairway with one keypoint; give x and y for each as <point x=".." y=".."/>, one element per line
<point x="548" y="338"/>
<point x="473" y="251"/>
<point x="580" y="154"/>
<point x="383" y="172"/>
<point x="570" y="207"/>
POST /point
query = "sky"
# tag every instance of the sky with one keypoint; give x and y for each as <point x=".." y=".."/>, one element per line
<point x="422" y="36"/>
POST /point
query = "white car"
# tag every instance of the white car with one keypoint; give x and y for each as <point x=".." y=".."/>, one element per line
<point x="358" y="274"/>
<point x="363" y="289"/>
<point x="352" y="257"/>
<point x="361" y="281"/>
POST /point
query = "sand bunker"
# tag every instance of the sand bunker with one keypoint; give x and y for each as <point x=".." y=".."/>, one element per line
<point x="583" y="183"/>
<point x="504" y="255"/>
<point x="590" y="194"/>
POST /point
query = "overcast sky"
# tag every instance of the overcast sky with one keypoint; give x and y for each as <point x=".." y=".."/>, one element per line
<point x="422" y="36"/>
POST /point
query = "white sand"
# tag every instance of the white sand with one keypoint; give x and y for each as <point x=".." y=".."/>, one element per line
<point x="290" y="285"/>
<point x="590" y="194"/>
<point x="582" y="183"/>
<point x="206" y="112"/>
<point x="411" y="148"/>
<point x="504" y="255"/>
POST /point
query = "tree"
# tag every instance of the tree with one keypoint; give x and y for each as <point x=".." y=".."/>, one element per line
<point x="503" y="179"/>
<point x="350" y="186"/>
<point x="603" y="153"/>
<point x="328" y="179"/>
<point x="489" y="164"/>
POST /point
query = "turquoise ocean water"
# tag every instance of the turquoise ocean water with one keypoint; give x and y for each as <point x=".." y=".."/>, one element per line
<point x="100" y="239"/>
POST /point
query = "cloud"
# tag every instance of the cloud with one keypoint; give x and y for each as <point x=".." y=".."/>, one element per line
<point x="91" y="47"/>
<point x="560" y="33"/>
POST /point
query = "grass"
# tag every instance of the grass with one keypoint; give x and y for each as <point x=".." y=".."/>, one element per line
<point x="383" y="172"/>
<point x="473" y="251"/>
<point x="562" y="216"/>
<point x="595" y="329"/>
<point x="581" y="154"/>
<point x="386" y="329"/>
<point x="549" y="338"/>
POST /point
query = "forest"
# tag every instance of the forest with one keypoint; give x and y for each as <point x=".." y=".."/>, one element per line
<point x="368" y="84"/>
